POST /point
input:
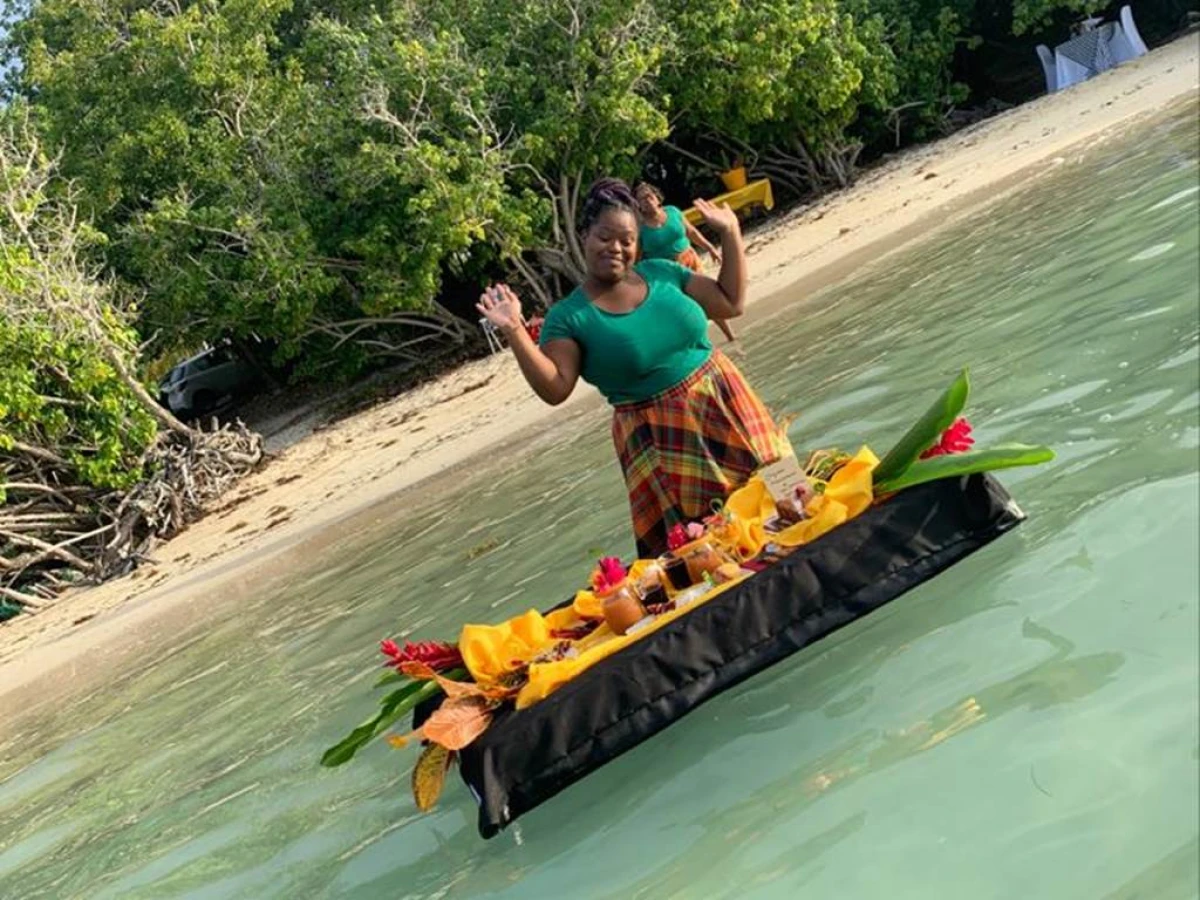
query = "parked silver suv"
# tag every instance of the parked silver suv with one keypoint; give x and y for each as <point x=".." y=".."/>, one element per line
<point x="198" y="384"/>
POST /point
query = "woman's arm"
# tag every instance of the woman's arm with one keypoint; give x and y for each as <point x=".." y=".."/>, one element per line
<point x="724" y="298"/>
<point x="697" y="239"/>
<point x="553" y="370"/>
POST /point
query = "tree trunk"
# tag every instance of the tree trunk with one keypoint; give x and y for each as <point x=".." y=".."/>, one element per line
<point x="567" y="198"/>
<point x="535" y="280"/>
<point x="558" y="259"/>
<point x="152" y="406"/>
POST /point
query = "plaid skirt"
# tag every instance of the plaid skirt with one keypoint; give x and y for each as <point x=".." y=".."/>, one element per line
<point x="692" y="444"/>
<point x="690" y="259"/>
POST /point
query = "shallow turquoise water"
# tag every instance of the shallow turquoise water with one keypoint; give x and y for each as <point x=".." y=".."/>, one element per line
<point x="1025" y="725"/>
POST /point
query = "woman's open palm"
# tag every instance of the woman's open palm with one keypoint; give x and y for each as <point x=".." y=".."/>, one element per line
<point x="720" y="219"/>
<point x="500" y="305"/>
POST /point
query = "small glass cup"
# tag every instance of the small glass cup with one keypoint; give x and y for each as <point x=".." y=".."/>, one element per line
<point x="654" y="595"/>
<point x="651" y="577"/>
<point x="623" y="608"/>
<point x="676" y="571"/>
<point x="703" y="559"/>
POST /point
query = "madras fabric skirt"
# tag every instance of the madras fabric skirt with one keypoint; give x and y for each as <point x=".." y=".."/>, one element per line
<point x="690" y="259"/>
<point x="690" y="445"/>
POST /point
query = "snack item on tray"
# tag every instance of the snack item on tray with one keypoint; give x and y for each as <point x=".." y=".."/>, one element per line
<point x="702" y="559"/>
<point x="622" y="608"/>
<point x="676" y="571"/>
<point x="727" y="572"/>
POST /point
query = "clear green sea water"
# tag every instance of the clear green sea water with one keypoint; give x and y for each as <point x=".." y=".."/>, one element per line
<point x="1025" y="725"/>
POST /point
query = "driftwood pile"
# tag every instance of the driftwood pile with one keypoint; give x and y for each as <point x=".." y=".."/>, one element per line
<point x="56" y="534"/>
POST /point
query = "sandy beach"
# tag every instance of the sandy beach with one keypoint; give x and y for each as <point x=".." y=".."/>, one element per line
<point x="323" y="474"/>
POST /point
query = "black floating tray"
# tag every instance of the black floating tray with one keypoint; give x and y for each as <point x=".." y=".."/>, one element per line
<point x="526" y="757"/>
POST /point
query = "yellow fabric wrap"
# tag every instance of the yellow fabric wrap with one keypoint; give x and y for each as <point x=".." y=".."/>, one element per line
<point x="588" y="606"/>
<point x="545" y="678"/>
<point x="846" y="495"/>
<point x="491" y="651"/>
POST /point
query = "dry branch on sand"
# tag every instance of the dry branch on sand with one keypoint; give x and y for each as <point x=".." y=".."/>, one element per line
<point x="92" y="470"/>
<point x="56" y="533"/>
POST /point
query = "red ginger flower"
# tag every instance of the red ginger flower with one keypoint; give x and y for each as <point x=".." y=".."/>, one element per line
<point x="676" y="537"/>
<point x="438" y="655"/>
<point x="955" y="439"/>
<point x="609" y="573"/>
<point x="681" y="535"/>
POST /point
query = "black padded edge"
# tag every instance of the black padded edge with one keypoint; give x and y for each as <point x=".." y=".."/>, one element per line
<point x="526" y="757"/>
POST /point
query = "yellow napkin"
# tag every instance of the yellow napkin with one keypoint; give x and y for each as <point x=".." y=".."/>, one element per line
<point x="847" y="494"/>
<point x="490" y="651"/>
<point x="545" y="678"/>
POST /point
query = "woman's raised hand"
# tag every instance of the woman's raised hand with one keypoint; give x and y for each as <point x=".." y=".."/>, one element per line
<point x="721" y="219"/>
<point x="500" y="305"/>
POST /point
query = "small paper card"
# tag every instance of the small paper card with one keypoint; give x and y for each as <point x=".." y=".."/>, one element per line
<point x="782" y="476"/>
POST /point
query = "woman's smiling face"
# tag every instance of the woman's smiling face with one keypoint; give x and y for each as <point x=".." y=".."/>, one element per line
<point x="648" y="203"/>
<point x="610" y="245"/>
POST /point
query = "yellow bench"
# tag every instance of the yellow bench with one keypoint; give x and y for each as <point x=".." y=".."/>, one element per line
<point x="756" y="193"/>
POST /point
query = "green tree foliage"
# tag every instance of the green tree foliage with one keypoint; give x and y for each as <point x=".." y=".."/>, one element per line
<point x="92" y="469"/>
<point x="574" y="93"/>
<point x="310" y="173"/>
<point x="66" y="396"/>
<point x="63" y="397"/>
<point x="247" y="185"/>
<point x="922" y="37"/>
<point x="1030" y="15"/>
<point x="778" y="82"/>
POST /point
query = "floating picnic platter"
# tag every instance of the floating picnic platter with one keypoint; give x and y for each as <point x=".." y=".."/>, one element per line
<point x="530" y="705"/>
<point x="527" y="756"/>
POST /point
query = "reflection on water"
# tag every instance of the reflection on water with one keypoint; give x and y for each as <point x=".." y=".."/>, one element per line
<point x="1025" y="725"/>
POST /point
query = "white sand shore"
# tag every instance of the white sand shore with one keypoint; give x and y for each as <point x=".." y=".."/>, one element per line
<point x="339" y="472"/>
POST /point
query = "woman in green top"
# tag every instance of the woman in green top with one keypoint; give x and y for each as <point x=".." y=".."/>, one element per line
<point x="666" y="234"/>
<point x="687" y="427"/>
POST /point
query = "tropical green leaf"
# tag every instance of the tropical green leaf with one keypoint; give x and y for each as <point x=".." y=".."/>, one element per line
<point x="391" y="677"/>
<point x="343" y="751"/>
<point x="392" y="708"/>
<point x="1003" y="456"/>
<point x="927" y="430"/>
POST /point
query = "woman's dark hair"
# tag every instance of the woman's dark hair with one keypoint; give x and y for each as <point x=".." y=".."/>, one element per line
<point x="647" y="186"/>
<point x="603" y="195"/>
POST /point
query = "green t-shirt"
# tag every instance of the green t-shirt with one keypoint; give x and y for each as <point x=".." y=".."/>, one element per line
<point x="666" y="241"/>
<point x="633" y="356"/>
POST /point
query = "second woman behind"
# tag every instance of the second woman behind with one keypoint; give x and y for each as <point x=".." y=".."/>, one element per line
<point x="665" y="233"/>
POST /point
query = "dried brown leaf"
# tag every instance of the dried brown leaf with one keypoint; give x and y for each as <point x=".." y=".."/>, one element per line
<point x="418" y="670"/>
<point x="429" y="776"/>
<point x="457" y="689"/>
<point x="458" y="721"/>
